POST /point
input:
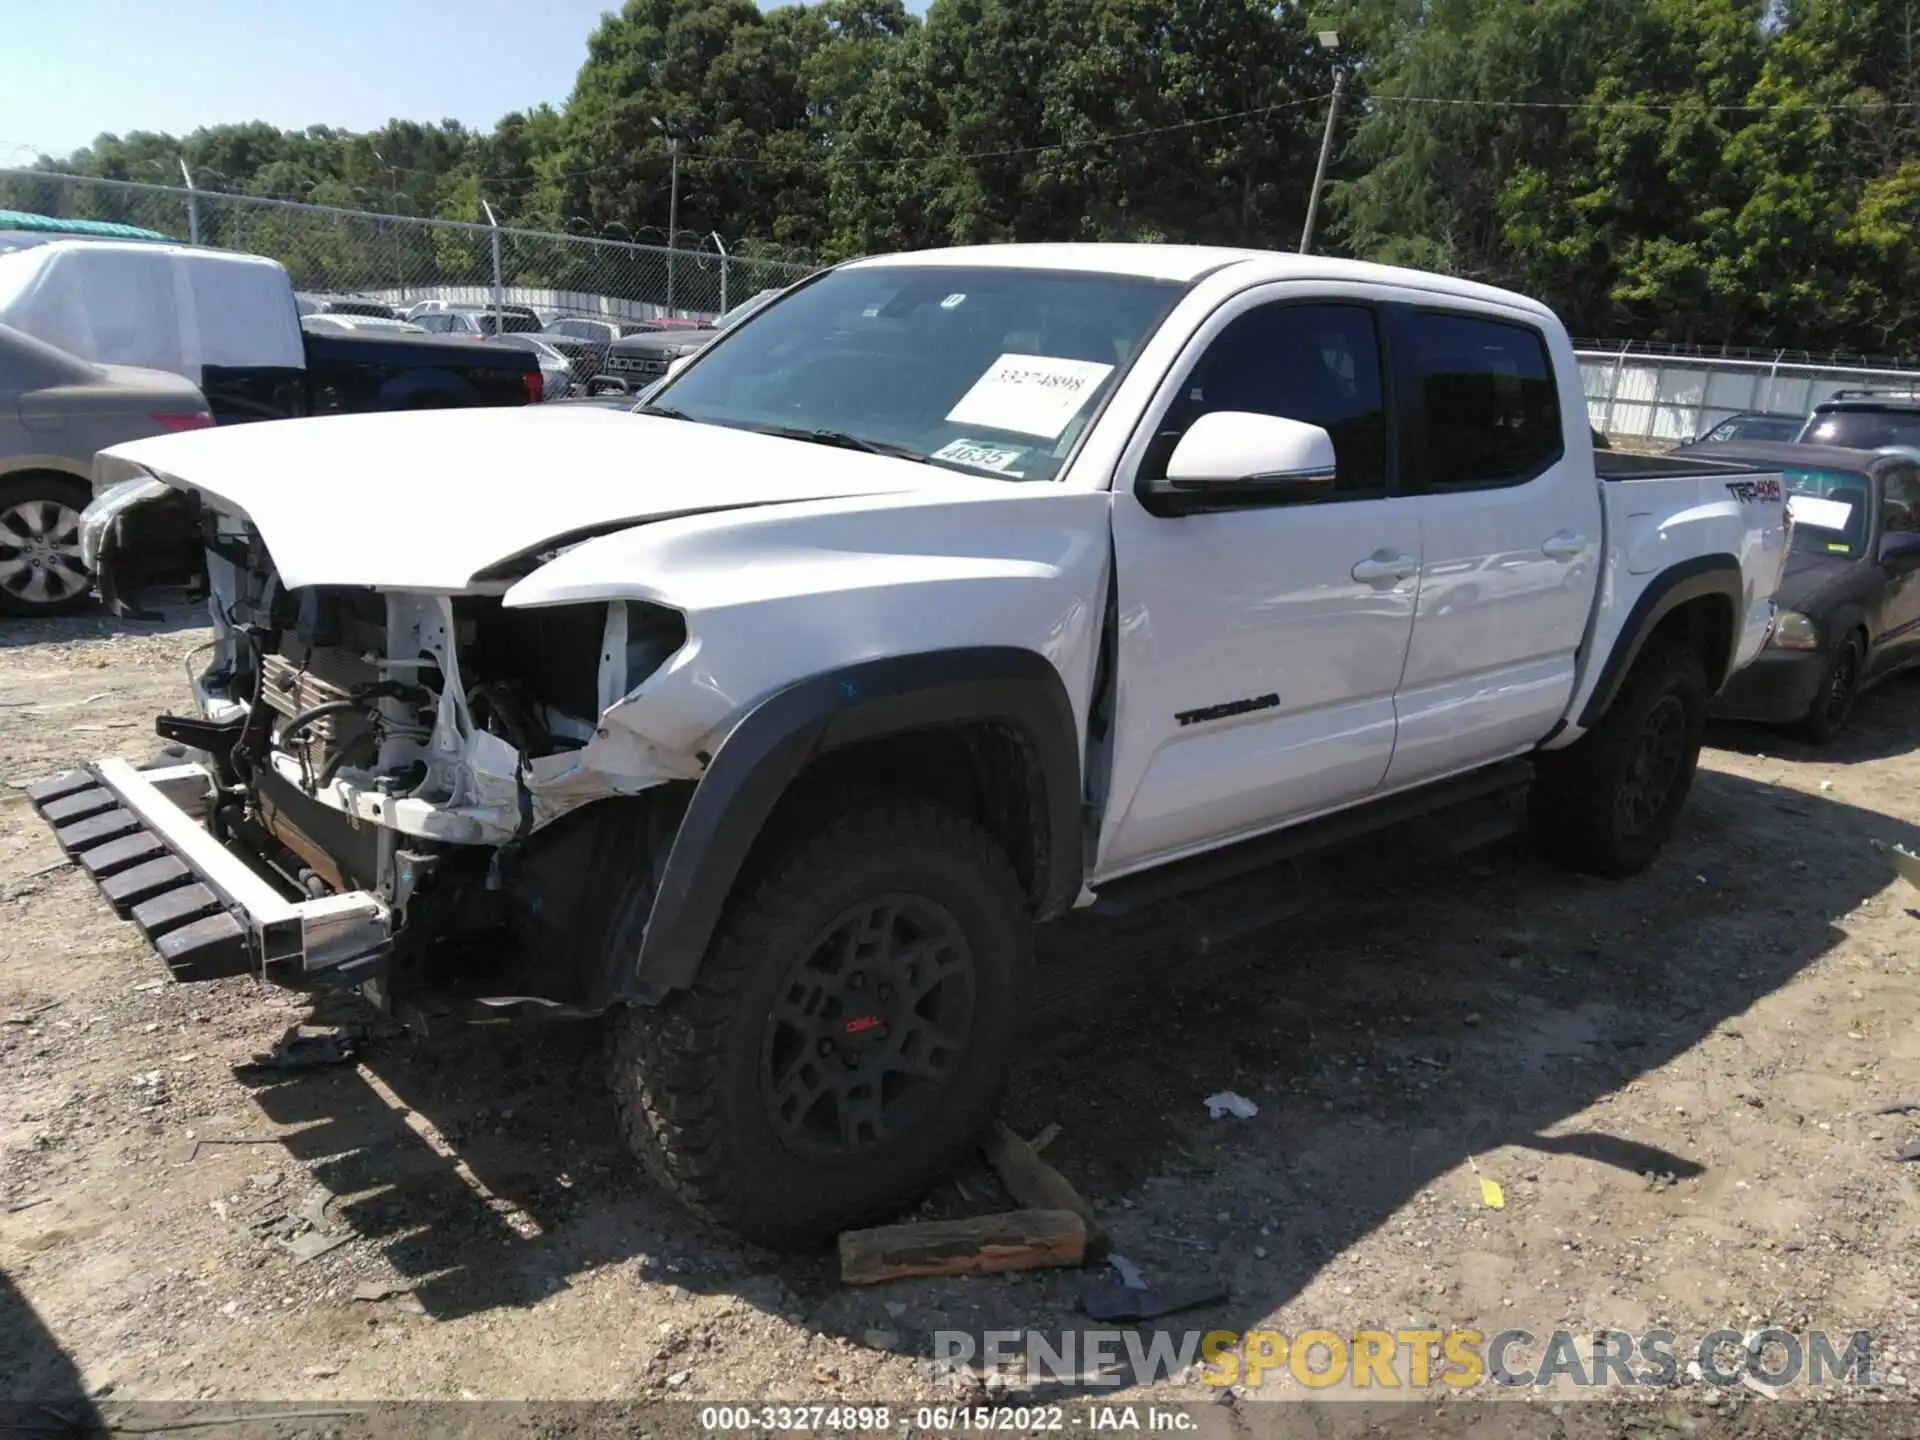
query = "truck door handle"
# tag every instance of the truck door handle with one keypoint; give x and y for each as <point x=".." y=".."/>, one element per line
<point x="1385" y="565"/>
<point x="1564" y="546"/>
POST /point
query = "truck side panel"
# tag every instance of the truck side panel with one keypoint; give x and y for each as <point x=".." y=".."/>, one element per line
<point x="1659" y="531"/>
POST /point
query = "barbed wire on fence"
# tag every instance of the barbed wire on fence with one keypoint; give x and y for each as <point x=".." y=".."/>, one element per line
<point x="404" y="259"/>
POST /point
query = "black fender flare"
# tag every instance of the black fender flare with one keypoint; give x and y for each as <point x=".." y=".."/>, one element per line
<point x="1694" y="579"/>
<point x="781" y="735"/>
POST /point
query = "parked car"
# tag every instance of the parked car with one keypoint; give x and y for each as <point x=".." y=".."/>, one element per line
<point x="429" y="307"/>
<point x="477" y="324"/>
<point x="1850" y="600"/>
<point x="345" y="323"/>
<point x="1752" y="425"/>
<point x="56" y="411"/>
<point x="1865" y="419"/>
<point x="345" y="305"/>
<point x="635" y="361"/>
<point x="752" y="305"/>
<point x="952" y="592"/>
<point x="556" y="370"/>
<point x="229" y="322"/>
<point x="601" y="332"/>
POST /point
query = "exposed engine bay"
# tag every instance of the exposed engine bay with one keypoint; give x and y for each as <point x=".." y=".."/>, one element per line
<point x="410" y="746"/>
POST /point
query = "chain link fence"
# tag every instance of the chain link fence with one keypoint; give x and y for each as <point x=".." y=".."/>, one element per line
<point x="1664" y="398"/>
<point x="403" y="259"/>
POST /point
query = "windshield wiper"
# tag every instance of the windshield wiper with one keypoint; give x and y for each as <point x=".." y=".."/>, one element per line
<point x="665" y="412"/>
<point x="841" y="440"/>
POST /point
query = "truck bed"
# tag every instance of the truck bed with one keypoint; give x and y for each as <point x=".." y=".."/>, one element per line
<point x="1665" y="517"/>
<point x="1625" y="465"/>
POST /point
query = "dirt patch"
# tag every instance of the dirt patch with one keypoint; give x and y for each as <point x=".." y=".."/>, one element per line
<point x="1674" y="1082"/>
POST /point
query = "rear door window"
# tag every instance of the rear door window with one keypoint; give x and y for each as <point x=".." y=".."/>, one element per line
<point x="1487" y="409"/>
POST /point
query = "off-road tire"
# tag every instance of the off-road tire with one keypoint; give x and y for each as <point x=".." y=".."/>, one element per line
<point x="688" y="1074"/>
<point x="1589" y="806"/>
<point x="1839" y="688"/>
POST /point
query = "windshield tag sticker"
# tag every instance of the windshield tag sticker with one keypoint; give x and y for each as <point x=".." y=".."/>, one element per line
<point x="953" y="302"/>
<point x="1748" y="491"/>
<point x="997" y="458"/>
<point x="1030" y="394"/>
<point x="1819" y="512"/>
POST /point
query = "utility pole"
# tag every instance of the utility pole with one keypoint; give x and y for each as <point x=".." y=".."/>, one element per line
<point x="493" y="227"/>
<point x="393" y="180"/>
<point x="193" y="203"/>
<point x="1329" y="40"/>
<point x="673" y="210"/>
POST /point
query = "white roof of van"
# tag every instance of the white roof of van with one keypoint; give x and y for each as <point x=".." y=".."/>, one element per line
<point x="169" y="307"/>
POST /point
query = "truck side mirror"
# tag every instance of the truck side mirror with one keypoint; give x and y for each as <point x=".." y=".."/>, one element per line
<point x="1230" y="459"/>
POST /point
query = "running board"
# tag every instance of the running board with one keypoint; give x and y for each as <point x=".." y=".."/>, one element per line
<point x="136" y="835"/>
<point x="1478" y="807"/>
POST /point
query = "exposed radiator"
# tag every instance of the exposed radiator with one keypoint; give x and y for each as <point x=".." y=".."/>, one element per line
<point x="308" y="677"/>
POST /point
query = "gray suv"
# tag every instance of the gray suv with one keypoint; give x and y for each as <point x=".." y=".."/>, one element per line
<point x="56" y="411"/>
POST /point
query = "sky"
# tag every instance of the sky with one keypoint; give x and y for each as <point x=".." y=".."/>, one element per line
<point x="71" y="69"/>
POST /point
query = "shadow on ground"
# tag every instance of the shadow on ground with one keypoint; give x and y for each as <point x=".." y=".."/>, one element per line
<point x="170" y="609"/>
<point x="1880" y="726"/>
<point x="40" y="1387"/>
<point x="1415" y="1011"/>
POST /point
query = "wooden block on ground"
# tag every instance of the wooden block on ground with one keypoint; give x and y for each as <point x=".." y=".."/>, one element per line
<point x="1015" y="1240"/>
<point x="1036" y="1184"/>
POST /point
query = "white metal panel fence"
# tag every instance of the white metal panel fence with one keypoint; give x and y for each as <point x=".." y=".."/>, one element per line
<point x="1644" y="396"/>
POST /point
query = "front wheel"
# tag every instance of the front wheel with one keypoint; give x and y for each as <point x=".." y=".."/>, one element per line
<point x="1608" y="802"/>
<point x="848" y="1034"/>
<point x="40" y="568"/>
<point x="1839" y="688"/>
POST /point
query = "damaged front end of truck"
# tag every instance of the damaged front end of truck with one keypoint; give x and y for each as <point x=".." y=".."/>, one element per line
<point x="398" y="790"/>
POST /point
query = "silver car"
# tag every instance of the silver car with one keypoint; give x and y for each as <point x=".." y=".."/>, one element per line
<point x="56" y="411"/>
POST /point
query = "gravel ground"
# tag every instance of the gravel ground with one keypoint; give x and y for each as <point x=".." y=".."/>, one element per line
<point x="1674" y="1080"/>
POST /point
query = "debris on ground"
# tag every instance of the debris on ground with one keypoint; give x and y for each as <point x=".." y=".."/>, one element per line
<point x="1130" y="1274"/>
<point x="312" y="1244"/>
<point x="1225" y="1102"/>
<point x="1491" y="1195"/>
<point x="1116" y="1300"/>
<point x="1037" y="1185"/>
<point x="301" y="1048"/>
<point x="982" y="1244"/>
<point x="230" y="1140"/>
<point x="380" y="1289"/>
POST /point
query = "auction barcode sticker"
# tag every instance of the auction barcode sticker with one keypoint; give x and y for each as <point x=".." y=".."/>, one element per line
<point x="1030" y="394"/>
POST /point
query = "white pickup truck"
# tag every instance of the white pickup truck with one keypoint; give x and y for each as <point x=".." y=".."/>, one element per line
<point x="950" y="592"/>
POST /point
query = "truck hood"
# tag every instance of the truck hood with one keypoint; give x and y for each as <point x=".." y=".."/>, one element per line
<point x="426" y="500"/>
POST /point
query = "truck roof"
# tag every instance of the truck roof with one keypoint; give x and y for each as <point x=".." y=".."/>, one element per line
<point x="1188" y="263"/>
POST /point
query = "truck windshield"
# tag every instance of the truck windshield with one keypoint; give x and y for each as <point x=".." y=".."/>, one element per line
<point x="1829" y="511"/>
<point x="986" y="369"/>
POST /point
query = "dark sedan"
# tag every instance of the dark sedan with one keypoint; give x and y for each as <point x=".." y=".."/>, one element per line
<point x="1849" y="605"/>
<point x="1753" y="425"/>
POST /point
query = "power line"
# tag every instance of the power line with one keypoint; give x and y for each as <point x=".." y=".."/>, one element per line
<point x="1651" y="107"/>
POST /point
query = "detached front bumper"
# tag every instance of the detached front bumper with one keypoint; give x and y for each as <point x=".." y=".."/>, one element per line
<point x="208" y="912"/>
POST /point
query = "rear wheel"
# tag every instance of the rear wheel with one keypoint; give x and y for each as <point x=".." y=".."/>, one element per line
<point x="1839" y="688"/>
<point x="40" y="568"/>
<point x="1608" y="802"/>
<point x="848" y="1034"/>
